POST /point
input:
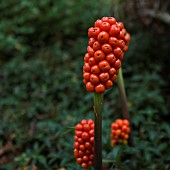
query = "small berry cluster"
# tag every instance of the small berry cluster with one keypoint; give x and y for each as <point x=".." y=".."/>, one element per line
<point x="108" y="40"/>
<point x="120" y="131"/>
<point x="84" y="143"/>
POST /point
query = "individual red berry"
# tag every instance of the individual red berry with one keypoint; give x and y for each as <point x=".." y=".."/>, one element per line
<point x="117" y="64"/>
<point x="84" y="121"/>
<point x="94" y="79"/>
<point x="88" y="152"/>
<point x="127" y="37"/>
<point x="90" y="87"/>
<point x="84" y="81"/>
<point x="90" y="163"/>
<point x="111" y="20"/>
<point x="105" y="19"/>
<point x="119" y="122"/>
<point x="88" y="145"/>
<point x="103" y="37"/>
<point x="86" y="67"/>
<point x="111" y="58"/>
<point x="82" y="147"/>
<point x="120" y="25"/>
<point x="104" y="77"/>
<point x="115" y="126"/>
<point x="126" y="122"/>
<point x="112" y="71"/>
<point x="81" y="153"/>
<point x="85" y="158"/>
<point x="79" y="127"/>
<point x="79" y="160"/>
<point x="84" y="165"/>
<point x="86" y="127"/>
<point x="98" y="23"/>
<point x="92" y="61"/>
<point x="118" y="132"/>
<point x="85" y="136"/>
<point x="91" y="157"/>
<point x="93" y="32"/>
<point x="91" y="139"/>
<point x="100" y="88"/>
<point x="125" y="129"/>
<point x="121" y="56"/>
<point x="108" y="84"/>
<point x="106" y="48"/>
<point x="121" y="44"/>
<point x="121" y="35"/>
<point x="76" y="145"/>
<point x="95" y="69"/>
<point x="78" y="133"/>
<point x="114" y="30"/>
<point x="117" y="52"/>
<point x="126" y="136"/>
<point x="113" y="41"/>
<point x="86" y="57"/>
<point x="113" y="78"/>
<point x="91" y="132"/>
<point x="104" y="66"/>
<point x="90" y="51"/>
<point x="105" y="26"/>
<point x="92" y="126"/>
<point x="75" y="138"/>
<point x="91" y="42"/>
<point x="79" y="140"/>
<point x="90" y="121"/>
<point x="96" y="46"/>
<point x="99" y="55"/>
<point x="76" y="153"/>
<point x="86" y="76"/>
<point x="125" y="48"/>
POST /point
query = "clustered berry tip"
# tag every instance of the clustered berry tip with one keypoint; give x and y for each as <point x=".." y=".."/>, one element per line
<point x="108" y="41"/>
<point x="84" y="143"/>
<point x="120" y="131"/>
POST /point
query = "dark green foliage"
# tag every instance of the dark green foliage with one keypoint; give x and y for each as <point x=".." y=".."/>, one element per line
<point x="42" y="96"/>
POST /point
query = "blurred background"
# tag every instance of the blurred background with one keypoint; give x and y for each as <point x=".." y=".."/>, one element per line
<point x="42" y="97"/>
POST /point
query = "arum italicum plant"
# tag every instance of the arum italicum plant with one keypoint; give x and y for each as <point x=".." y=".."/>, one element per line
<point x="108" y="41"/>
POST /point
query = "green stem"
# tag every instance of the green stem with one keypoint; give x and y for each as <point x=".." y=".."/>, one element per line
<point x="98" y="105"/>
<point x="124" y="102"/>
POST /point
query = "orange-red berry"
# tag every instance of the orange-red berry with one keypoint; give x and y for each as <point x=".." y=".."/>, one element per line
<point x="99" y="55"/>
<point x="103" y="37"/>
<point x="100" y="88"/>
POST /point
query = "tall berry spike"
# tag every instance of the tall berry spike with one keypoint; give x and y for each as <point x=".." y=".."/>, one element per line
<point x="108" y="41"/>
<point x="84" y="143"/>
<point x="120" y="131"/>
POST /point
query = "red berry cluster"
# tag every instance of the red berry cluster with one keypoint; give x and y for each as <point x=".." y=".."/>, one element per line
<point x="84" y="143"/>
<point x="120" y="131"/>
<point x="108" y="40"/>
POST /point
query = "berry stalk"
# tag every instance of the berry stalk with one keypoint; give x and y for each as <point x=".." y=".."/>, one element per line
<point x="98" y="105"/>
<point x="125" y="111"/>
